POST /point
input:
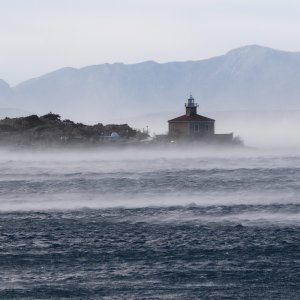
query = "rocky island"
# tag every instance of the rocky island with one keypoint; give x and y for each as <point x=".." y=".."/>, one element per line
<point x="188" y="130"/>
<point x="50" y="130"/>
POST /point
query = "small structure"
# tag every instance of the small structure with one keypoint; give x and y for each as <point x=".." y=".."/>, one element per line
<point x="113" y="137"/>
<point x="195" y="127"/>
<point x="191" y="124"/>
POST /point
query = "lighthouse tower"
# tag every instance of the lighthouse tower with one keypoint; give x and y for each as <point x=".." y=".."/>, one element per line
<point x="191" y="124"/>
<point x="191" y="107"/>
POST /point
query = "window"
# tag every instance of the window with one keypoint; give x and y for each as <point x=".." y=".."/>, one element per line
<point x="206" y="127"/>
<point x="196" y="128"/>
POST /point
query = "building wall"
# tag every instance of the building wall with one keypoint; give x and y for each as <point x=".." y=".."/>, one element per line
<point x="179" y="128"/>
<point x="202" y="128"/>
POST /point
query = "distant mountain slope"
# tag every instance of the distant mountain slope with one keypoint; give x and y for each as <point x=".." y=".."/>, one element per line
<point x="248" y="78"/>
<point x="5" y="93"/>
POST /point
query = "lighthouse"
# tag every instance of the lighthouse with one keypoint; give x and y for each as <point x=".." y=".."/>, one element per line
<point x="191" y="124"/>
<point x="191" y="106"/>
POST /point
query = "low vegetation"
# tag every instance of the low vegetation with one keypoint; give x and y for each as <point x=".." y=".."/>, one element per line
<point x="51" y="130"/>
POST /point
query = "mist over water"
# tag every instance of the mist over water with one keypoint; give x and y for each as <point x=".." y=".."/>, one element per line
<point x="267" y="129"/>
<point x="169" y="223"/>
<point x="142" y="178"/>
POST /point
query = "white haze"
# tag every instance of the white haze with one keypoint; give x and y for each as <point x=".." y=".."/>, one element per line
<point x="34" y="168"/>
<point x="261" y="129"/>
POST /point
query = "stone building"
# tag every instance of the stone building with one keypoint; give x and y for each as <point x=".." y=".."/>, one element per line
<point x="196" y="127"/>
<point x="191" y="124"/>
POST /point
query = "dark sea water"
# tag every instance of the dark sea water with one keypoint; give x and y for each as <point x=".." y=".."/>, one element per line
<point x="134" y="225"/>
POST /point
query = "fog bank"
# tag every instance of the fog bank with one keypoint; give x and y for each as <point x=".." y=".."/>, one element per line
<point x="261" y="129"/>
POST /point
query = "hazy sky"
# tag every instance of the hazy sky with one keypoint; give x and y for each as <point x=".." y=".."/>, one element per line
<point x="38" y="36"/>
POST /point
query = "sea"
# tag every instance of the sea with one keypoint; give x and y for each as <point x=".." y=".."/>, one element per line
<point x="150" y="224"/>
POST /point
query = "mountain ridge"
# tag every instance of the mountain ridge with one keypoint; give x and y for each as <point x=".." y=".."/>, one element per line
<point x="246" y="78"/>
<point x="242" y="49"/>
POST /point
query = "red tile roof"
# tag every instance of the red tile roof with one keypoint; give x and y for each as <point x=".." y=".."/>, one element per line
<point x="191" y="118"/>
